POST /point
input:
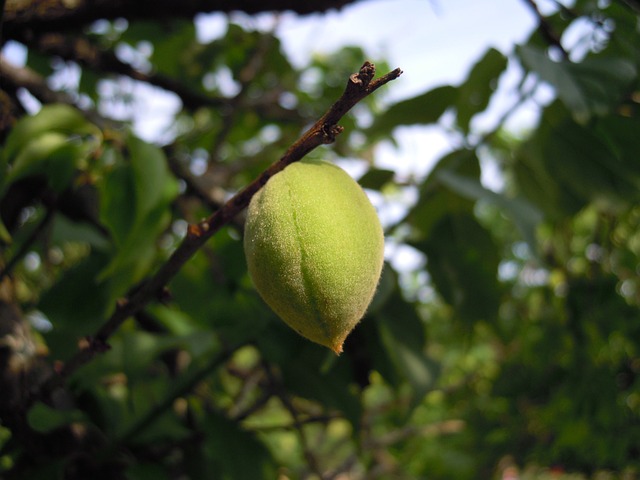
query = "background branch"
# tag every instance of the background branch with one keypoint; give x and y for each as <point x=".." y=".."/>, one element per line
<point x="545" y="29"/>
<point x="55" y="15"/>
<point x="25" y="77"/>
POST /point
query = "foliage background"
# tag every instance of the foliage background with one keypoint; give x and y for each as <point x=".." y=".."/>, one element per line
<point x="510" y="345"/>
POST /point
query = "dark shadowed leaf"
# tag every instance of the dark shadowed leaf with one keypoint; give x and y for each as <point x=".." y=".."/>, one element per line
<point x="462" y="259"/>
<point x="376" y="178"/>
<point x="474" y="94"/>
<point x="402" y="334"/>
<point x="436" y="200"/>
<point x="234" y="452"/>
<point x="43" y="418"/>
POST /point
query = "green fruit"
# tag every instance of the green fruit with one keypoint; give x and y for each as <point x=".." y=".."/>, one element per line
<point x="315" y="248"/>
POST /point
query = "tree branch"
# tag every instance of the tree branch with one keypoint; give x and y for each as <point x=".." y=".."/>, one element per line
<point x="87" y="54"/>
<point x="545" y="29"/>
<point x="56" y="15"/>
<point x="36" y="85"/>
<point x="324" y="131"/>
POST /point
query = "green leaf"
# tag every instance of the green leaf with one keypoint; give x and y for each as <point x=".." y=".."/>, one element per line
<point x="135" y="200"/>
<point x="43" y="418"/>
<point x="435" y="201"/>
<point x="535" y="178"/>
<point x="584" y="164"/>
<point x="65" y="230"/>
<point x="592" y="87"/>
<point x="620" y="134"/>
<point x="154" y="184"/>
<point x="235" y="453"/>
<point x="51" y="155"/>
<point x="423" y="109"/>
<point x="525" y="216"/>
<point x="331" y="387"/>
<point x="474" y="94"/>
<point x="402" y="333"/>
<point x="57" y="118"/>
<point x="462" y="259"/>
<point x="147" y="471"/>
<point x="376" y="178"/>
<point x="76" y="305"/>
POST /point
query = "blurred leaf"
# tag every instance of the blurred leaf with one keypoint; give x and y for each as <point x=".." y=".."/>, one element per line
<point x="376" y="178"/>
<point x="620" y="134"/>
<point x="581" y="162"/>
<point x="235" y="453"/>
<point x="533" y="176"/>
<point x="76" y="305"/>
<point x="462" y="259"/>
<point x="523" y="214"/>
<point x="591" y="87"/>
<point x="65" y="230"/>
<point x="474" y="94"/>
<point x="43" y="418"/>
<point x="146" y="471"/>
<point x="435" y="201"/>
<point x="135" y="201"/>
<point x="56" y="118"/>
<point x="423" y="109"/>
<point x="332" y="387"/>
<point x="403" y="335"/>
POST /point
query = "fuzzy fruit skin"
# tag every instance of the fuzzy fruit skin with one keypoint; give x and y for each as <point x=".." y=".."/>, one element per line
<point x="315" y="249"/>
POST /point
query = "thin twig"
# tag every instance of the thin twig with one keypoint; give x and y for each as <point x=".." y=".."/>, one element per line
<point x="324" y="131"/>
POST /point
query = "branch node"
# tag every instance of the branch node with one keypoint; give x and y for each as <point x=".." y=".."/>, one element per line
<point x="195" y="230"/>
<point x="364" y="76"/>
<point x="93" y="344"/>
<point x="330" y="132"/>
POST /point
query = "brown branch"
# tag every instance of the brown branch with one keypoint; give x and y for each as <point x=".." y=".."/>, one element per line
<point x="324" y="131"/>
<point x="545" y="29"/>
<point x="36" y="85"/>
<point x="56" y="15"/>
<point x="87" y="54"/>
